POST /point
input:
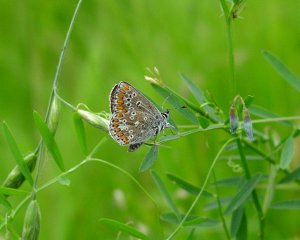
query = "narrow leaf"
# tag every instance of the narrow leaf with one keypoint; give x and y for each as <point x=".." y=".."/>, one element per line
<point x="291" y="176"/>
<point x="49" y="140"/>
<point x="243" y="193"/>
<point x="287" y="153"/>
<point x="176" y="102"/>
<point x="264" y="113"/>
<point x="192" y="220"/>
<point x="283" y="70"/>
<point x="187" y="186"/>
<point x="149" y="159"/>
<point x="12" y="191"/>
<point x="124" y="228"/>
<point x="243" y="230"/>
<point x="159" y="183"/>
<point x="213" y="205"/>
<point x="4" y="202"/>
<point x="199" y="96"/>
<point x="17" y="153"/>
<point x="288" y="205"/>
<point x="236" y="220"/>
<point x="80" y="131"/>
<point x="227" y="182"/>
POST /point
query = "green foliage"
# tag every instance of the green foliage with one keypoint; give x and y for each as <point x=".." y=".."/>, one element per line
<point x="243" y="201"/>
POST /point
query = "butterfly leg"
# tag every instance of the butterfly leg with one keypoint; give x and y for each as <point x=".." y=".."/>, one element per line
<point x="134" y="147"/>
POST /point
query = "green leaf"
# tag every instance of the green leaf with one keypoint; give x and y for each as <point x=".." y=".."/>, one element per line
<point x="159" y="183"/>
<point x="213" y="205"/>
<point x="231" y="181"/>
<point x="124" y="228"/>
<point x="236" y="220"/>
<point x="12" y="191"/>
<point x="192" y="220"/>
<point x="243" y="193"/>
<point x="169" y="138"/>
<point x="291" y="176"/>
<point x="199" y="96"/>
<point x="287" y="153"/>
<point x="4" y="202"/>
<point x="49" y="140"/>
<point x="264" y="113"/>
<point x="176" y="102"/>
<point x="243" y="230"/>
<point x="187" y="186"/>
<point x="80" y="132"/>
<point x="17" y="154"/>
<point x="149" y="159"/>
<point x="283" y="70"/>
<point x="287" y="205"/>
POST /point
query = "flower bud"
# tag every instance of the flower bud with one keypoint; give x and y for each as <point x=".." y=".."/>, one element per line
<point x="94" y="119"/>
<point x="31" y="227"/>
<point x="54" y="115"/>
<point x="15" y="178"/>
<point x="234" y="119"/>
<point x="247" y="123"/>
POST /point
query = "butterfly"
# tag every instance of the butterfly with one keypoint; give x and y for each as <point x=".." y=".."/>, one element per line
<point x="134" y="118"/>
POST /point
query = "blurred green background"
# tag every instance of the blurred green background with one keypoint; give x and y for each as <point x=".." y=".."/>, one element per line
<point x="118" y="40"/>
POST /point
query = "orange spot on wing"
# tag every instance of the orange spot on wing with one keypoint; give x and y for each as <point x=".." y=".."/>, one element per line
<point x="120" y="115"/>
<point x="120" y="107"/>
<point x="120" y="101"/>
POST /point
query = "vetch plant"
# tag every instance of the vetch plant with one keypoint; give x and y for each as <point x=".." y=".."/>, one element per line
<point x="200" y="206"/>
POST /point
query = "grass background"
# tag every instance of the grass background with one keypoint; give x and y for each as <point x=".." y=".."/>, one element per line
<point x="117" y="40"/>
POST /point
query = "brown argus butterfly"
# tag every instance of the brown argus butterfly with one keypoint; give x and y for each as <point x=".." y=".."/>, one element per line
<point x="134" y="119"/>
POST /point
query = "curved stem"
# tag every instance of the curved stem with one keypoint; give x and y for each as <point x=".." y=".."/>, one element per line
<point x="180" y="225"/>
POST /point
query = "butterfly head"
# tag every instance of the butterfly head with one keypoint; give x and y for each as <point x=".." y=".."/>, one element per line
<point x="165" y="116"/>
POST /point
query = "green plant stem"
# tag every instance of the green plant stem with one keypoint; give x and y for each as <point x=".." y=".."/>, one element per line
<point x="278" y="119"/>
<point x="220" y="210"/>
<point x="82" y="163"/>
<point x="267" y="157"/>
<point x="180" y="225"/>
<point x="254" y="193"/>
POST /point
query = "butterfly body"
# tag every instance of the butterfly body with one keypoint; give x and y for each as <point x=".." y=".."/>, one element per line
<point x="134" y="119"/>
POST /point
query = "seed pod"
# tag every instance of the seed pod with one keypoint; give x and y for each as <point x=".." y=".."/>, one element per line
<point x="94" y="119"/>
<point x="31" y="227"/>
<point x="54" y="115"/>
<point x="247" y="123"/>
<point x="234" y="119"/>
<point x="15" y="178"/>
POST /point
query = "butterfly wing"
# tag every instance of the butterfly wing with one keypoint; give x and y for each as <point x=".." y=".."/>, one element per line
<point x="134" y="118"/>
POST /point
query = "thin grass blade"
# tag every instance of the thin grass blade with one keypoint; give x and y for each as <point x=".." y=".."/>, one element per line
<point x="192" y="220"/>
<point x="176" y="102"/>
<point x="124" y="228"/>
<point x="236" y="220"/>
<point x="4" y="202"/>
<point x="12" y="191"/>
<point x="187" y="186"/>
<point x="291" y="176"/>
<point x="283" y="70"/>
<point x="161" y="186"/>
<point x="199" y="96"/>
<point x="17" y="154"/>
<point x="287" y="205"/>
<point x="264" y="113"/>
<point x="149" y="159"/>
<point x="243" y="193"/>
<point x="49" y="140"/>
